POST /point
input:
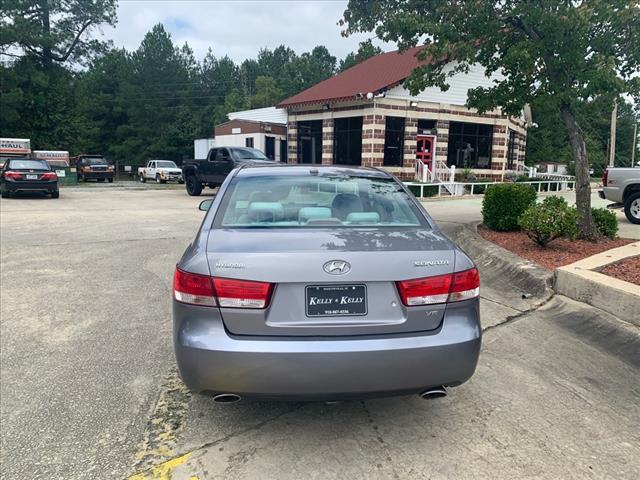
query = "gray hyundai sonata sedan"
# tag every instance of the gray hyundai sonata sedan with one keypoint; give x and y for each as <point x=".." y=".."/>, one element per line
<point x="322" y="283"/>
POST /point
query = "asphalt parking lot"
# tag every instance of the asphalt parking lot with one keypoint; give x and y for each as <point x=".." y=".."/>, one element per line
<point x="89" y="389"/>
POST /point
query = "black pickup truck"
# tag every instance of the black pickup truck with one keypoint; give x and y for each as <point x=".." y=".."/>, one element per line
<point x="214" y="169"/>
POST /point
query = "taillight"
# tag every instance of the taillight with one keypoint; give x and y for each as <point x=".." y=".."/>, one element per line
<point x="242" y="293"/>
<point x="13" y="175"/>
<point x="605" y="177"/>
<point x="49" y="176"/>
<point x="440" y="289"/>
<point x="207" y="291"/>
<point x="193" y="288"/>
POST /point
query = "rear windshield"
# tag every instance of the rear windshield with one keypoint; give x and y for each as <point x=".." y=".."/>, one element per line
<point x="29" y="164"/>
<point x="311" y="201"/>
<point x="248" y="154"/>
<point x="166" y="164"/>
<point x="95" y="161"/>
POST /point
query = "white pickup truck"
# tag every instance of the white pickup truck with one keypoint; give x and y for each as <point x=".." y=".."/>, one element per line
<point x="622" y="186"/>
<point x="162" y="171"/>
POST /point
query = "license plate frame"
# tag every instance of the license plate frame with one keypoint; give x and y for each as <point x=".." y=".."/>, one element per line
<point x="334" y="293"/>
<point x="31" y="176"/>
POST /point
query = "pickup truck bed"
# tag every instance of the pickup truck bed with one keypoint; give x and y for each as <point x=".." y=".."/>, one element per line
<point x="622" y="186"/>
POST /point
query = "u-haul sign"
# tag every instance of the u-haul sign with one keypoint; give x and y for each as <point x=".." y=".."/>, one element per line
<point x="15" y="146"/>
<point x="58" y="158"/>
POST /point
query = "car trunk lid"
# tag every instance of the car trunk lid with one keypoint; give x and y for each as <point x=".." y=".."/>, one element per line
<point x="325" y="283"/>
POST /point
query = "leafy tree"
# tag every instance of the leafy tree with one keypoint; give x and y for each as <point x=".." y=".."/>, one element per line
<point x="267" y="93"/>
<point x="54" y="30"/>
<point x="366" y="50"/>
<point x="571" y="52"/>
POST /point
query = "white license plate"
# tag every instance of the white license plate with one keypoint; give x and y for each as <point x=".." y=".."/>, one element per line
<point x="32" y="177"/>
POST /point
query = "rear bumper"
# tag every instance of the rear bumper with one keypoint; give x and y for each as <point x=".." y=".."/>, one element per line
<point x="611" y="193"/>
<point x="33" y="186"/>
<point x="210" y="360"/>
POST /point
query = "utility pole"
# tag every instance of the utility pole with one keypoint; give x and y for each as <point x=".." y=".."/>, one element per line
<point x="633" y="145"/>
<point x="612" y="144"/>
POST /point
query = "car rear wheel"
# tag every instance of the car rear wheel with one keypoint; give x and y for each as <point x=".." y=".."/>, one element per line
<point x="194" y="187"/>
<point x="632" y="208"/>
<point x="55" y="194"/>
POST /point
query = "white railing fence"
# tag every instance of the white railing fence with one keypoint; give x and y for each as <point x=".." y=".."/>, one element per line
<point x="478" y="188"/>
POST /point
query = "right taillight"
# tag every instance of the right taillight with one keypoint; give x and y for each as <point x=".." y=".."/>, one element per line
<point x="440" y="288"/>
<point x="605" y="177"/>
<point x="209" y="291"/>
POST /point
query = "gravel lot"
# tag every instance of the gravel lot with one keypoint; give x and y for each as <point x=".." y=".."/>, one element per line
<point x="88" y="386"/>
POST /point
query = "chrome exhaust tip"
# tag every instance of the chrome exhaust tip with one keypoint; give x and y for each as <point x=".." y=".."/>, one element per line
<point x="435" y="392"/>
<point x="227" y="398"/>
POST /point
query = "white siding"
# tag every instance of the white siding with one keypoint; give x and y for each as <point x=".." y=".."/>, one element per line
<point x="460" y="84"/>
<point x="265" y="115"/>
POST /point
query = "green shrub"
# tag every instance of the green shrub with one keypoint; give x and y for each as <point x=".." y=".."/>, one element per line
<point x="551" y="219"/>
<point x="606" y="222"/>
<point x="524" y="178"/>
<point x="504" y="203"/>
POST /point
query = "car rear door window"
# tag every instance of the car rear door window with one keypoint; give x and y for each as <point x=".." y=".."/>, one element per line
<point x="311" y="201"/>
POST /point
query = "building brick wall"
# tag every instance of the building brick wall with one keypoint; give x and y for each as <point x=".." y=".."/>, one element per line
<point x="373" y="130"/>
<point x="327" y="141"/>
<point x="292" y="142"/>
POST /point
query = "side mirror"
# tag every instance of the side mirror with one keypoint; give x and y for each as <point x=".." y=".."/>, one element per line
<point x="205" y="204"/>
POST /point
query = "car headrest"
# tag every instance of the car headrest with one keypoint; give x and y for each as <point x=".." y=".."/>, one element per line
<point x="345" y="203"/>
<point x="265" y="212"/>
<point x="313" y="213"/>
<point x="363" y="217"/>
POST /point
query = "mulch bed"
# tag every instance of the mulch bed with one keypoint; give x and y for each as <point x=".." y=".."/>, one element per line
<point x="558" y="253"/>
<point x="627" y="270"/>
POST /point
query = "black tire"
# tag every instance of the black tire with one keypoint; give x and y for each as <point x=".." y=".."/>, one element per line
<point x="80" y="178"/>
<point x="142" y="179"/>
<point x="110" y="180"/>
<point x="159" y="180"/>
<point x="55" y="194"/>
<point x="5" y="194"/>
<point x="632" y="208"/>
<point x="194" y="187"/>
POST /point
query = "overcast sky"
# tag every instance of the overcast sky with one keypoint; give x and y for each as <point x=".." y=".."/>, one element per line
<point x="237" y="28"/>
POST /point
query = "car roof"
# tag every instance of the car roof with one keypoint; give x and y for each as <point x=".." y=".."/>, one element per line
<point x="297" y="169"/>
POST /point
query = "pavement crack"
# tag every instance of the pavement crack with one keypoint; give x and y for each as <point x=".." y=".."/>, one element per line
<point x="383" y="444"/>
<point x="510" y="307"/>
<point x="514" y="318"/>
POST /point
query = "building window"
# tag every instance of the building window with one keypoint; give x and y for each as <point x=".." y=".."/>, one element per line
<point x="310" y="141"/>
<point x="426" y="127"/>
<point x="248" y="142"/>
<point x="393" y="141"/>
<point x="469" y="145"/>
<point x="347" y="141"/>
<point x="511" y="150"/>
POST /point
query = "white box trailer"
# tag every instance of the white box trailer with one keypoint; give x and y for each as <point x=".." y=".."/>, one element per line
<point x="14" y="147"/>
<point x="201" y="147"/>
<point x="55" y="158"/>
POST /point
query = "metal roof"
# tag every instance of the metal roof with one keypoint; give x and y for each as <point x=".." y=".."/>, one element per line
<point x="264" y="115"/>
<point x="373" y="75"/>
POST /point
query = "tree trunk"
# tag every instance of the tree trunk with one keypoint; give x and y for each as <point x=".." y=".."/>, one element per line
<point x="583" y="186"/>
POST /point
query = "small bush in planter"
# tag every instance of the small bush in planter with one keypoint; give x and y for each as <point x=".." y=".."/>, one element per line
<point x="551" y="219"/>
<point x="504" y="203"/>
<point x="606" y="222"/>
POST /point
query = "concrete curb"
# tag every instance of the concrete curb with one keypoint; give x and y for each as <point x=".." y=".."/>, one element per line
<point x="495" y="261"/>
<point x="583" y="282"/>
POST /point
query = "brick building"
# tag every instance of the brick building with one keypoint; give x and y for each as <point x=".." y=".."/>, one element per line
<point x="364" y="116"/>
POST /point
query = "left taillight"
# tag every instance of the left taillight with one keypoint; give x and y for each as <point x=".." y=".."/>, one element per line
<point x="49" y="176"/>
<point x="209" y="291"/>
<point x="242" y="293"/>
<point x="440" y="288"/>
<point x="13" y="175"/>
<point x="193" y="289"/>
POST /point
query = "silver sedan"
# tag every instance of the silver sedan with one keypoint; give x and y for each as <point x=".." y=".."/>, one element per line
<point x="322" y="283"/>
